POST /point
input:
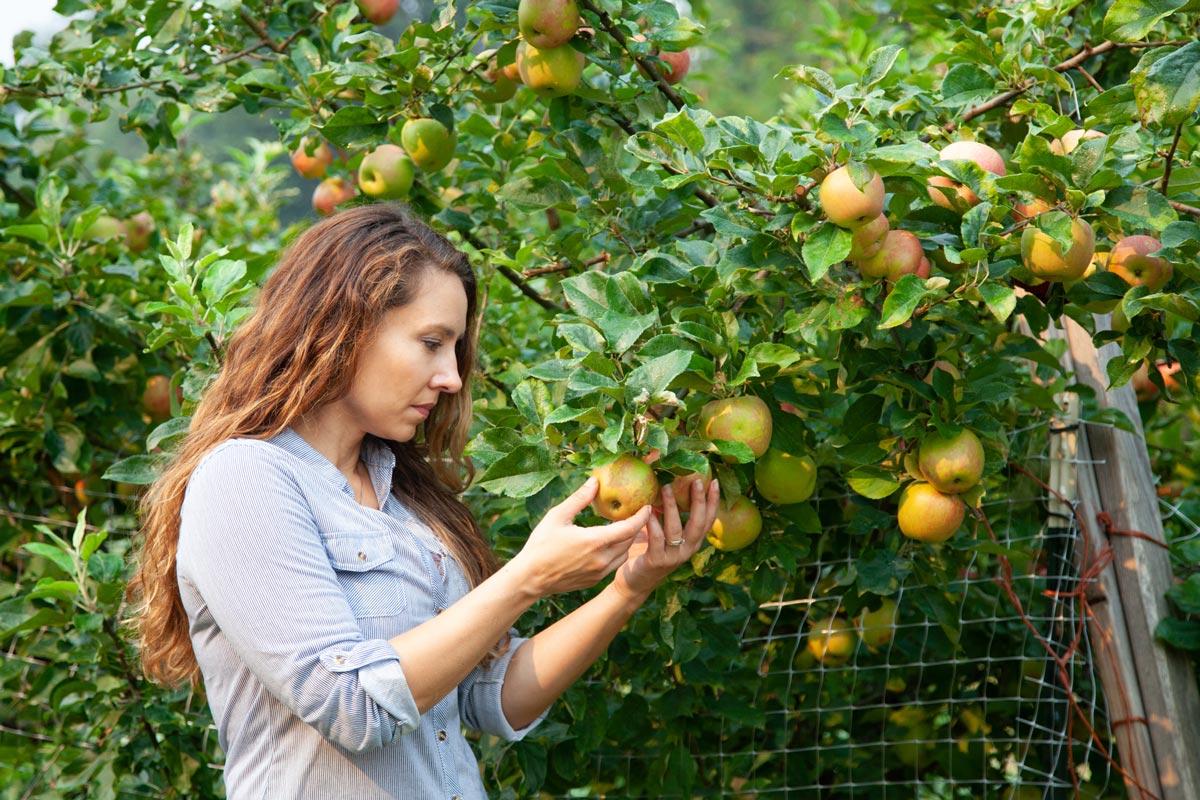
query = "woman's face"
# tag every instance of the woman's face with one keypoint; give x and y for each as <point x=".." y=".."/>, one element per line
<point x="410" y="362"/>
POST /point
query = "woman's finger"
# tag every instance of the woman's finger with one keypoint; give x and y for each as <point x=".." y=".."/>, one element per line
<point x="576" y="502"/>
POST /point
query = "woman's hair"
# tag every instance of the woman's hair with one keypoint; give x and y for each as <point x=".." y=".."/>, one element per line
<point x="322" y="303"/>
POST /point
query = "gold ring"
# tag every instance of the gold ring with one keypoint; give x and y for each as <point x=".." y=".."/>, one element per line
<point x="675" y="543"/>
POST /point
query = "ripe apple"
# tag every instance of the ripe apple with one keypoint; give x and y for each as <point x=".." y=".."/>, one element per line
<point x="1130" y="258"/>
<point x="832" y="640"/>
<point x="927" y="515"/>
<point x="386" y="172"/>
<point x="682" y="488"/>
<point x="848" y="205"/>
<point x="552" y="72"/>
<point x="156" y="398"/>
<point x="675" y="64"/>
<point x="978" y="152"/>
<point x="782" y="478"/>
<point x="312" y="158"/>
<point x="869" y="238"/>
<point x="900" y="254"/>
<point x="547" y="23"/>
<point x="1045" y="258"/>
<point x="1071" y="139"/>
<point x="496" y="84"/>
<point x="744" y="419"/>
<point x="626" y="484"/>
<point x="428" y="142"/>
<point x="138" y="230"/>
<point x="952" y="464"/>
<point x="331" y="192"/>
<point x="876" y="628"/>
<point x="1023" y="211"/>
<point x="737" y="525"/>
<point x="1146" y="389"/>
<point x="379" y="12"/>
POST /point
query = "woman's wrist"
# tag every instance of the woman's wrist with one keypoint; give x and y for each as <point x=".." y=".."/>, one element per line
<point x="628" y="596"/>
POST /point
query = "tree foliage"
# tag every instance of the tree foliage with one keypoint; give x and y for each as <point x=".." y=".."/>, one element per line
<point x="639" y="257"/>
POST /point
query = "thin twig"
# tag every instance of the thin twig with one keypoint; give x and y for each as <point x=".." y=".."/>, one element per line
<point x="1170" y="159"/>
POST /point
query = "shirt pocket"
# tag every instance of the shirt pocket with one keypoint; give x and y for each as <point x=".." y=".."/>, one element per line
<point x="368" y="571"/>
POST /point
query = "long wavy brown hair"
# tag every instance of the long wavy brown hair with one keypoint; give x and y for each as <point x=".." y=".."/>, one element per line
<point x="296" y="352"/>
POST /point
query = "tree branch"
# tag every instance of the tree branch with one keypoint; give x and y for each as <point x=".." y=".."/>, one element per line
<point x="513" y="276"/>
<point x="1170" y="159"/>
<point x="673" y="97"/>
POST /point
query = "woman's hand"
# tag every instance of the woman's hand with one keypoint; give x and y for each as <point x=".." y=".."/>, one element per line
<point x="560" y="556"/>
<point x="666" y="544"/>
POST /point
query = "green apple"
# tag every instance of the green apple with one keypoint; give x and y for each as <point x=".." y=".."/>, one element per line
<point x="783" y="479"/>
<point x="952" y="464"/>
<point x="547" y="23"/>
<point x="551" y="72"/>
<point x="737" y="525"/>
<point x="428" y="143"/>
<point x="105" y="227"/>
<point x="626" y="485"/>
<point x="386" y="172"/>
<point x="738" y="419"/>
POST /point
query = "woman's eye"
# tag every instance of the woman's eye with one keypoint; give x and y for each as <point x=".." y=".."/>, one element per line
<point x="433" y="344"/>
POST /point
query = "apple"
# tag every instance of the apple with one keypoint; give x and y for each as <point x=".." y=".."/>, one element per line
<point x="927" y="515"/>
<point x="497" y="85"/>
<point x="848" y="205"/>
<point x="156" y="398"/>
<point x="832" y="641"/>
<point x="900" y="254"/>
<point x="312" y="158"/>
<point x="138" y="230"/>
<point x="1146" y="389"/>
<point x="675" y="64"/>
<point x="379" y="12"/>
<point x="626" y="485"/>
<point x="550" y="72"/>
<point x="386" y="172"/>
<point x="783" y="479"/>
<point x="744" y="419"/>
<point x="1044" y="257"/>
<point x="104" y="227"/>
<point x="330" y="193"/>
<point x="951" y="464"/>
<point x="682" y="488"/>
<point x="978" y="152"/>
<point x="547" y="23"/>
<point x="1130" y="258"/>
<point x="867" y="239"/>
<point x="1023" y="211"/>
<point x="737" y="525"/>
<point x="1071" y="139"/>
<point x="876" y="628"/>
<point x="428" y="142"/>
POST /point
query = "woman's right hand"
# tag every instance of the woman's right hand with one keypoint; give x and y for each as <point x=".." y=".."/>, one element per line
<point x="560" y="556"/>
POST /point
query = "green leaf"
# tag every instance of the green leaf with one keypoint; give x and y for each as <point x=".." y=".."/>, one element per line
<point x="353" y="124"/>
<point x="881" y="571"/>
<point x="1000" y="299"/>
<point x="873" y="483"/>
<point x="879" y="64"/>
<point x="38" y="233"/>
<point x="521" y="473"/>
<point x="1133" y="20"/>
<point x="811" y="77"/>
<point x="174" y="428"/>
<point x="221" y="277"/>
<point x="61" y="558"/>
<point x="966" y="83"/>
<point x="1181" y="633"/>
<point x="1186" y="595"/>
<point x="1140" y="207"/>
<point x="656" y="375"/>
<point x="138" y="470"/>
<point x="58" y="590"/>
<point x="682" y="129"/>
<point x="903" y="300"/>
<point x="829" y="245"/>
<point x="1167" y="86"/>
<point x="536" y="194"/>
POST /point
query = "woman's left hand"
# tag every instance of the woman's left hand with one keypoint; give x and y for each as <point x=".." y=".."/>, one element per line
<point x="665" y="544"/>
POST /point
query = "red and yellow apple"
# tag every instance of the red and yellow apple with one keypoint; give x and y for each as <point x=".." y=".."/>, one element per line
<point x="386" y="172"/>
<point x="331" y="193"/>
<point x="547" y="23"/>
<point x="927" y="515"/>
<point x="901" y="254"/>
<point x="944" y="191"/>
<point x="738" y="523"/>
<point x="626" y="485"/>
<point x="1044" y="256"/>
<point x="550" y="72"/>
<point x="849" y="205"/>
<point x="428" y="143"/>
<point x="951" y="464"/>
<point x="312" y="158"/>
<point x="745" y="419"/>
<point x="1130" y="258"/>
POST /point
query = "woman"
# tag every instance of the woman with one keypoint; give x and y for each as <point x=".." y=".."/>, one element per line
<point x="307" y="556"/>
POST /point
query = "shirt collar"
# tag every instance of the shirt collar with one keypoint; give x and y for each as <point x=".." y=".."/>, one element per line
<point x="379" y="458"/>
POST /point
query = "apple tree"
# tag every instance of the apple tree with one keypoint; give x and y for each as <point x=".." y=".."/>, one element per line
<point x="875" y="266"/>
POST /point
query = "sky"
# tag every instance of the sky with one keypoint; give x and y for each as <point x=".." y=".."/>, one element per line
<point x="20" y="15"/>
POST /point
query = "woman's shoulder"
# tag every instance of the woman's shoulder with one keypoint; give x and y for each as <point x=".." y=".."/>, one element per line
<point x="241" y="461"/>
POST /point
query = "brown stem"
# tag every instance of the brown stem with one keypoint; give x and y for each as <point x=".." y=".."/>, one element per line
<point x="673" y="97"/>
<point x="514" y="277"/>
<point x="1166" y="177"/>
<point x="1195" y="212"/>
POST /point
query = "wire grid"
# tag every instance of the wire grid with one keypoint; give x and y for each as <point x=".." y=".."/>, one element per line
<point x="916" y="717"/>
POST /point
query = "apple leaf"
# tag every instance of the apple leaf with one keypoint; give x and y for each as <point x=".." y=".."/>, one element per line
<point x="173" y="429"/>
<point x="352" y="124"/>
<point x="521" y="473"/>
<point x="811" y="77"/>
<point x="1186" y="595"/>
<point x="139" y="470"/>
<point x="1000" y="299"/>
<point x="1167" y="86"/>
<point x="966" y="83"/>
<point x="60" y="557"/>
<point x="1140" y="207"/>
<point x="656" y="375"/>
<point x="873" y="483"/>
<point x="829" y="245"/>
<point x="881" y="571"/>
<point x="879" y="64"/>
<point x="1181" y="633"/>
<point x="1133" y="20"/>
<point x="903" y="300"/>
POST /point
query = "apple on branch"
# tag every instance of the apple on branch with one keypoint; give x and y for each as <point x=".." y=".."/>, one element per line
<point x="626" y="485"/>
<point x="331" y="193"/>
<point x="1045" y="258"/>
<point x="312" y="158"/>
<point x="951" y="464"/>
<point x="744" y="419"/>
<point x="550" y="72"/>
<point x="429" y="143"/>
<point x="945" y="191"/>
<point x="548" y="23"/>
<point x="927" y="515"/>
<point x="738" y="523"/>
<point x="852" y="197"/>
<point x="1130" y="258"/>
<point x="379" y="12"/>
<point x="386" y="172"/>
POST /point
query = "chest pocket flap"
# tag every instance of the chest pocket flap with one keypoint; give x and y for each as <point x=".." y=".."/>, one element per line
<point x="359" y="552"/>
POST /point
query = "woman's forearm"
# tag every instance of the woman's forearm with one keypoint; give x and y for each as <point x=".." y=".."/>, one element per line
<point x="543" y="667"/>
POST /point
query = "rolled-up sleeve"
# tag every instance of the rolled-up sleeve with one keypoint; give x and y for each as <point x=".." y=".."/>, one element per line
<point x="251" y="547"/>
<point x="479" y="697"/>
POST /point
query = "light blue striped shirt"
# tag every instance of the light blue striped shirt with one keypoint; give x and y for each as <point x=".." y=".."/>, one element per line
<point x="292" y="590"/>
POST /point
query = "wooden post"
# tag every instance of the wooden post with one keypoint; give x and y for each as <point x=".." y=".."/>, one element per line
<point x="1125" y="488"/>
<point x="1111" y="651"/>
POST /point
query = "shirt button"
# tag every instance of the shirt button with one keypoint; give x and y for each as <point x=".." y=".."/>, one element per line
<point x="438" y="610"/>
<point x="339" y="659"/>
<point x="441" y="736"/>
<point x="456" y="797"/>
<point x="362" y="556"/>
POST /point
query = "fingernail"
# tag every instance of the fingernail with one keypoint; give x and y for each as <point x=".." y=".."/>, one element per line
<point x="698" y="484"/>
